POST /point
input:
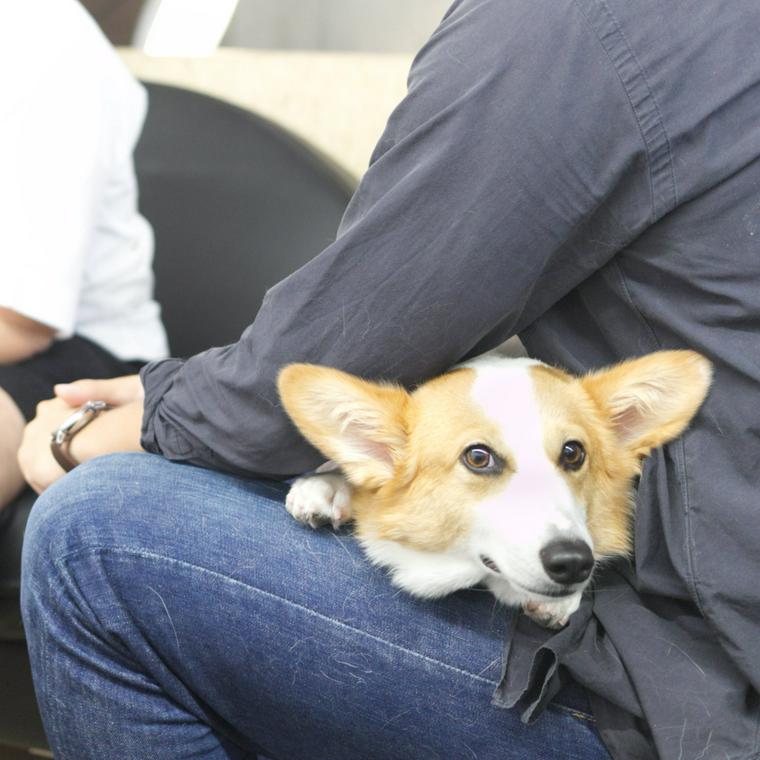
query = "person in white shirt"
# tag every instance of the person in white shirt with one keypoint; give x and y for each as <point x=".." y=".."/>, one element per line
<point x="75" y="255"/>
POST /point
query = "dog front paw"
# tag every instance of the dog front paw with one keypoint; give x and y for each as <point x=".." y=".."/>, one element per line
<point x="553" y="614"/>
<point x="320" y="498"/>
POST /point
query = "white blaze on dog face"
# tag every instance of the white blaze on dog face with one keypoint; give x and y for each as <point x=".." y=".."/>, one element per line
<point x="535" y="503"/>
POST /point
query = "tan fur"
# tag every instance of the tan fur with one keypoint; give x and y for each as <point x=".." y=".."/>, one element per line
<point x="604" y="482"/>
<point x="401" y="450"/>
<point x="361" y="425"/>
<point x="425" y="506"/>
<point x="643" y="403"/>
<point x="651" y="400"/>
<point x="420" y="501"/>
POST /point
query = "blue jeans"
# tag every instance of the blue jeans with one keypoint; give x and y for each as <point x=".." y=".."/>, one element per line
<point x="173" y="612"/>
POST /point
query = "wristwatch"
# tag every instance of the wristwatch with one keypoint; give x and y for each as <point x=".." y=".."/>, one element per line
<point x="61" y="438"/>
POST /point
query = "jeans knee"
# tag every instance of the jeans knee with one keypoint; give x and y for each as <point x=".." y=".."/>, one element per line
<point x="74" y="514"/>
<point x="62" y="511"/>
<point x="128" y="503"/>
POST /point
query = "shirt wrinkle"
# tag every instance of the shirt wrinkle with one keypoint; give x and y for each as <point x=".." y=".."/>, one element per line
<point x="648" y="120"/>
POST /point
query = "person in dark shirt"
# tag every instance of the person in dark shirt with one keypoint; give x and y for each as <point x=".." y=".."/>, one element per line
<point x="582" y="173"/>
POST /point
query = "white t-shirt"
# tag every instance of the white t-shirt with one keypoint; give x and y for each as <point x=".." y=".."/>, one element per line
<point x="74" y="252"/>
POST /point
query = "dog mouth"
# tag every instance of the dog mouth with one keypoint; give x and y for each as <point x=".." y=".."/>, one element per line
<point x="555" y="593"/>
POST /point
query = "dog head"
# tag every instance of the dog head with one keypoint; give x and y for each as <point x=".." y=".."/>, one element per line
<point x="501" y="470"/>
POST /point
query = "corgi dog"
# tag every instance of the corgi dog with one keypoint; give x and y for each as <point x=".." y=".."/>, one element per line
<point x="504" y="472"/>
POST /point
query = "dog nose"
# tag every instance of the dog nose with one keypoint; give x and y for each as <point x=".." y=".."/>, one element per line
<point x="567" y="561"/>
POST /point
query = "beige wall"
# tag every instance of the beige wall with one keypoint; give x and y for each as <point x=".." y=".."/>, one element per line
<point x="368" y="25"/>
<point x="337" y="102"/>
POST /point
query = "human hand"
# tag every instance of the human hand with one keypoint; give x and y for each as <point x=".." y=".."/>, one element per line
<point x="116" y="430"/>
<point x="38" y="466"/>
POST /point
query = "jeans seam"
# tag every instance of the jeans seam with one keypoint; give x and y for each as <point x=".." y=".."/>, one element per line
<point x="51" y="722"/>
<point x="171" y="560"/>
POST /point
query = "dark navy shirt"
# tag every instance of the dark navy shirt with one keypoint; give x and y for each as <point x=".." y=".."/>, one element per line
<point x="586" y="174"/>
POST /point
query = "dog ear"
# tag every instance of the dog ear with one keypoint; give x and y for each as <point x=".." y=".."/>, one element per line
<point x="358" y="424"/>
<point x="651" y="400"/>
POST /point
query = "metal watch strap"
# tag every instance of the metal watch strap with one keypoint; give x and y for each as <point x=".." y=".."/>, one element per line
<point x="61" y="438"/>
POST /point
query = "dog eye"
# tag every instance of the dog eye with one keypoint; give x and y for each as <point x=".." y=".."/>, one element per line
<point x="573" y="455"/>
<point x="479" y="458"/>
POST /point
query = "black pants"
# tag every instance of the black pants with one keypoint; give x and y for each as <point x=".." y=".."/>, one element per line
<point x="32" y="380"/>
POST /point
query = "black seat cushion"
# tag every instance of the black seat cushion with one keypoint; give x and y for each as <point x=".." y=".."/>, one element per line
<point x="236" y="204"/>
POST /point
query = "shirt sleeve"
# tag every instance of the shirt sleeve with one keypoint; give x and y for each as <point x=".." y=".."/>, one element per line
<point x="513" y="169"/>
<point x="53" y="155"/>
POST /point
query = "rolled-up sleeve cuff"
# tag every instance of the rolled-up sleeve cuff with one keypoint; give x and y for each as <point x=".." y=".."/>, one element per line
<point x="156" y="377"/>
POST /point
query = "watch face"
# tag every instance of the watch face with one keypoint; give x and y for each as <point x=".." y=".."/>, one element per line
<point x="74" y="420"/>
<point x="70" y="427"/>
<point x="81" y="418"/>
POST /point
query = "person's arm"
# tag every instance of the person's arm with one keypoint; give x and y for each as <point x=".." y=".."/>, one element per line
<point x="513" y="170"/>
<point x="21" y="337"/>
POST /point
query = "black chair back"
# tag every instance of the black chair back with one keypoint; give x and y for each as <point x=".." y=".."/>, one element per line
<point x="236" y="204"/>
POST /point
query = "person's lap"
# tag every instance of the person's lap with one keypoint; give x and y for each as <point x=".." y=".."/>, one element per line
<point x="184" y="612"/>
